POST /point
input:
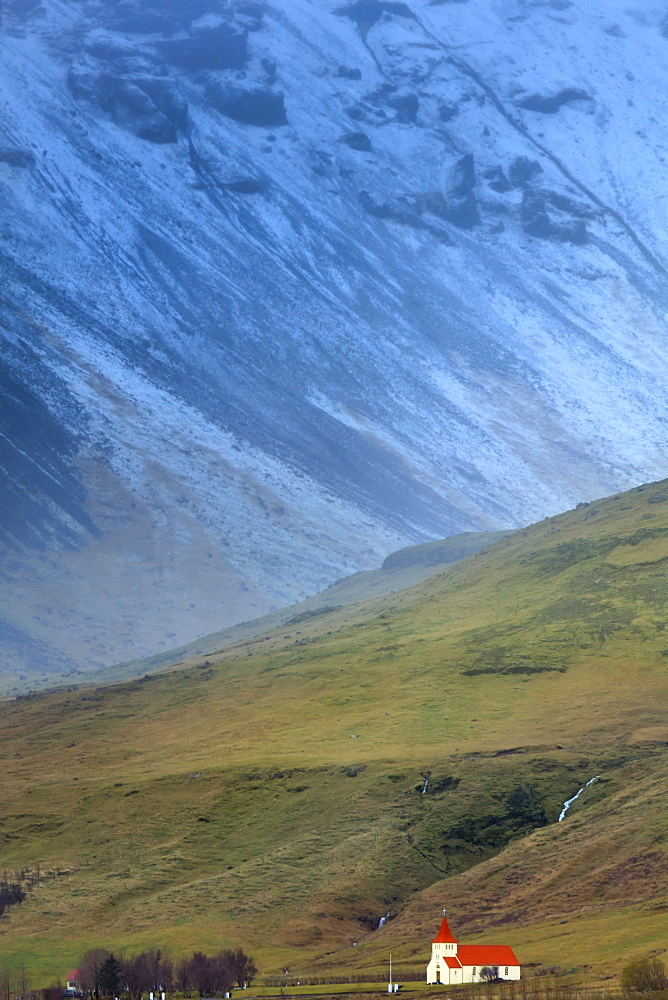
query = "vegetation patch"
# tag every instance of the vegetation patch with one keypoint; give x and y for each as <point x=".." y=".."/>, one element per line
<point x="326" y="609"/>
<point x="507" y="661"/>
<point x="11" y="893"/>
<point x="566" y="554"/>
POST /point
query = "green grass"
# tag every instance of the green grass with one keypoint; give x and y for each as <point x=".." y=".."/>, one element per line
<point x="272" y="796"/>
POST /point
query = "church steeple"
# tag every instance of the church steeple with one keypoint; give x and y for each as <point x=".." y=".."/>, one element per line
<point x="445" y="943"/>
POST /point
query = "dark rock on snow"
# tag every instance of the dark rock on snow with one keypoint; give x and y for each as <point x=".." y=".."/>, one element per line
<point x="497" y="180"/>
<point x="460" y="206"/>
<point x="250" y="106"/>
<point x="221" y="48"/>
<point x="347" y="73"/>
<point x="357" y="140"/>
<point x="523" y="170"/>
<point x="549" y="104"/>
<point x="367" y="12"/>
<point x="536" y="221"/>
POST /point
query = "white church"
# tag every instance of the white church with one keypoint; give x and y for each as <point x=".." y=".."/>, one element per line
<point x="453" y="963"/>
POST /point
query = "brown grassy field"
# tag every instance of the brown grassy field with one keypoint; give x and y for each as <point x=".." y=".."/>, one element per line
<point x="271" y="795"/>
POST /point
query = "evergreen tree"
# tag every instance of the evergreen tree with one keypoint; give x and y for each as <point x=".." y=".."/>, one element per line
<point x="111" y="973"/>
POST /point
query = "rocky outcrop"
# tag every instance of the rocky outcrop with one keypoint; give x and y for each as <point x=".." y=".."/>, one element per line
<point x="129" y="77"/>
<point x="251" y="106"/>
<point x="386" y="104"/>
<point x="357" y="140"/>
<point x="133" y="108"/>
<point x="217" y="48"/>
<point x="497" y="180"/>
<point x="366" y="13"/>
<point x="167" y="97"/>
<point x="109" y="47"/>
<point x="446" y="112"/>
<point x="405" y="104"/>
<point x="425" y="212"/>
<point x="151" y="108"/>
<point x="539" y="219"/>
<point x="348" y="73"/>
<point x="455" y="203"/>
<point x="522" y="171"/>
<point x="459" y="202"/>
<point x="173" y="17"/>
<point x="549" y="104"/>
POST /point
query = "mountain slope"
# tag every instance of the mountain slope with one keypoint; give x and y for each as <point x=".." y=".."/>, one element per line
<point x="298" y="786"/>
<point x="399" y="570"/>
<point x="287" y="287"/>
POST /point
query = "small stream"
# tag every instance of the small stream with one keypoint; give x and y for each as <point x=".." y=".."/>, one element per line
<point x="569" y="802"/>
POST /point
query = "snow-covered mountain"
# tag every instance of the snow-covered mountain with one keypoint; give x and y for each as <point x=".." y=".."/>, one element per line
<point x="289" y="285"/>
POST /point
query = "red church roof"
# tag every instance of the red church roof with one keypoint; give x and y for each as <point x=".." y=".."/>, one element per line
<point x="444" y="935"/>
<point x="75" y="975"/>
<point x="451" y="961"/>
<point x="486" y="954"/>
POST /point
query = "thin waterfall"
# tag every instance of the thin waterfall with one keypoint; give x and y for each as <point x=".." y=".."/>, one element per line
<point x="568" y="802"/>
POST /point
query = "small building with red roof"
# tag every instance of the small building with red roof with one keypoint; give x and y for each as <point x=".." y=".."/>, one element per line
<point x="453" y="963"/>
<point x="73" y="982"/>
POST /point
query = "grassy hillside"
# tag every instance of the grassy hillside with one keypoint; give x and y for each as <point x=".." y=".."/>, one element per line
<point x="271" y="795"/>
<point x="589" y="891"/>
